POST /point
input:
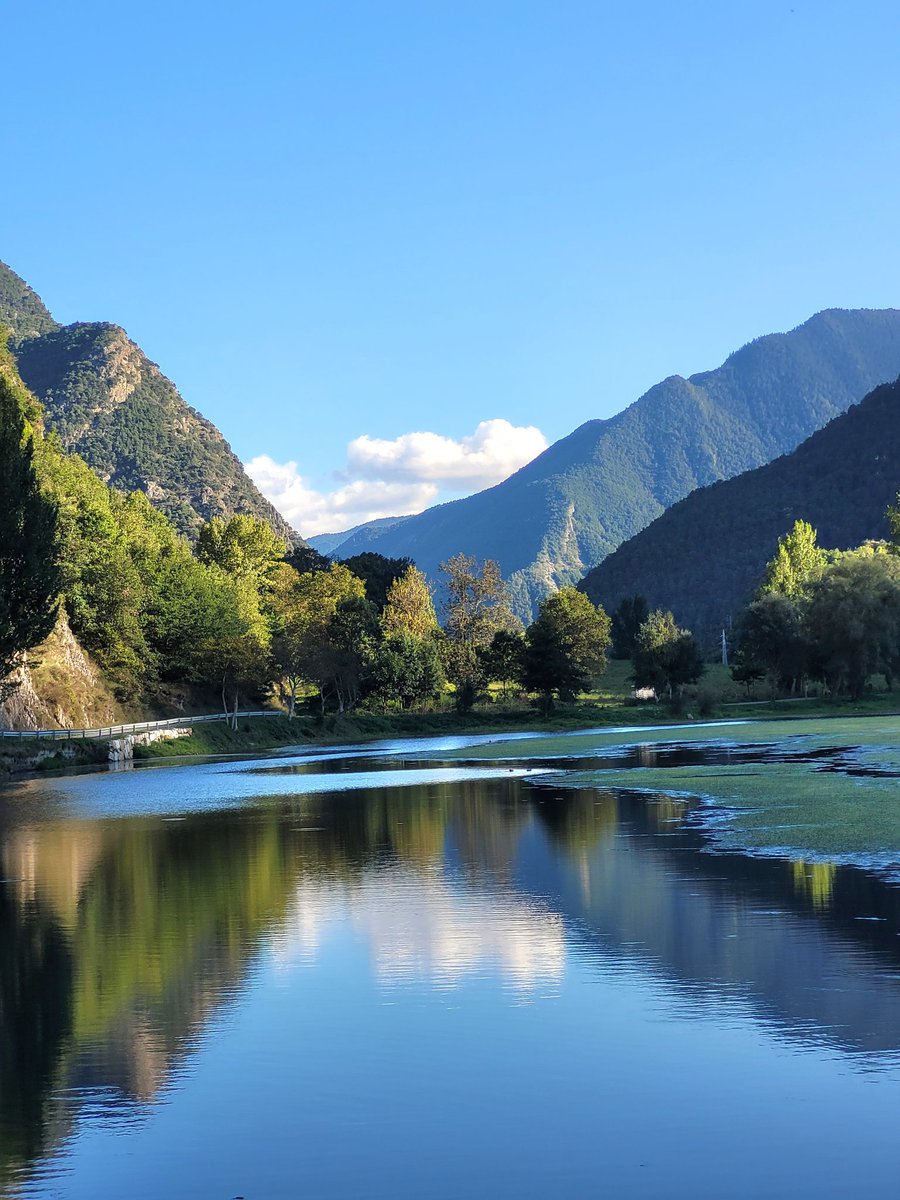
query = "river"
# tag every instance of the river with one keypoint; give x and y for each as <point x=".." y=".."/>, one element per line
<point x="365" y="973"/>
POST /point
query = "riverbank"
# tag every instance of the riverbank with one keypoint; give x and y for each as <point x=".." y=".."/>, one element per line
<point x="604" y="709"/>
<point x="274" y="733"/>
<point x="23" y="756"/>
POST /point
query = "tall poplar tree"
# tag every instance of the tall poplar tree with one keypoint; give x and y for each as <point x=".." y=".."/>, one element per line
<point x="29" y="576"/>
<point x="798" y="562"/>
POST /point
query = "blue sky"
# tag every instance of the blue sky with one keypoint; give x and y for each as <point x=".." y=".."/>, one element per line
<point x="336" y="220"/>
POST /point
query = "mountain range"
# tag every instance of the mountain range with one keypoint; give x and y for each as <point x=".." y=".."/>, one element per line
<point x="109" y="403"/>
<point x="548" y="524"/>
<point x="577" y="502"/>
<point x="705" y="556"/>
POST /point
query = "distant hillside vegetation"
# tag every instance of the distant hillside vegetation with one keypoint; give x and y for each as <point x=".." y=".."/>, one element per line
<point x="705" y="556"/>
<point x="110" y="404"/>
<point x="574" y="504"/>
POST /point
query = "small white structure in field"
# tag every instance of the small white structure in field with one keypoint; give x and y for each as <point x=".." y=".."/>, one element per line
<point x="645" y="693"/>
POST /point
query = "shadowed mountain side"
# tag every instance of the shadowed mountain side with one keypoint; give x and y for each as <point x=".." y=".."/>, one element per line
<point x="574" y="504"/>
<point x="110" y="404"/>
<point x="705" y="556"/>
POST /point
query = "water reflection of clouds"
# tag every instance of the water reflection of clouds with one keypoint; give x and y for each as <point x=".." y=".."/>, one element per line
<point x="419" y="927"/>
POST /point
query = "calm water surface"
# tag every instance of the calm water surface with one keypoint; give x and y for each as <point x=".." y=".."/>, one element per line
<point x="357" y="975"/>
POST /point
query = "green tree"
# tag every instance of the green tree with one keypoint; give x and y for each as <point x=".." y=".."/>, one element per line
<point x="406" y="670"/>
<point x="666" y="657"/>
<point x="378" y="573"/>
<point x="893" y="519"/>
<point x="626" y="623"/>
<point x="408" y="606"/>
<point x="234" y="645"/>
<point x="798" y="562"/>
<point x="477" y="606"/>
<point x="566" y="646"/>
<point x="503" y="661"/>
<point x="244" y="546"/>
<point x="303" y="646"/>
<point x="29" y="576"/>
<point x="853" y="619"/>
<point x="102" y="587"/>
<point x="345" y="656"/>
<point x="771" y="642"/>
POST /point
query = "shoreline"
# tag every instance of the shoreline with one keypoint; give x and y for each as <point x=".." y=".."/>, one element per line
<point x="33" y="758"/>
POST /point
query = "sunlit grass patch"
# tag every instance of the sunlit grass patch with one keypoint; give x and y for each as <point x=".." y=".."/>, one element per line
<point x="848" y="732"/>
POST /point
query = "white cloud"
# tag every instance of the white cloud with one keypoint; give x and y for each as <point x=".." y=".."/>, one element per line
<point x="493" y="452"/>
<point x="392" y="478"/>
<point x="311" y="511"/>
<point x="418" y="926"/>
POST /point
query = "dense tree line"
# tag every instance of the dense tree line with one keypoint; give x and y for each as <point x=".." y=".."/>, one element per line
<point x="29" y="577"/>
<point x="824" y="616"/>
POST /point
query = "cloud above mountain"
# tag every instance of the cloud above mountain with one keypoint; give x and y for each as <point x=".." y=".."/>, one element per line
<point x="493" y="452"/>
<point x="385" y="478"/>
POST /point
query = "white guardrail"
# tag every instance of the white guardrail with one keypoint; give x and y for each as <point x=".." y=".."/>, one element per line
<point x="113" y="731"/>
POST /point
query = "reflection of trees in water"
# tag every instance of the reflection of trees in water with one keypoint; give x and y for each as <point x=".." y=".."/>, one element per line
<point x="106" y="985"/>
<point x="118" y="938"/>
<point x="487" y="819"/>
<point x="577" y="821"/>
<point x="837" y="896"/>
<point x="35" y="1022"/>
<point x="811" y="947"/>
<point x="815" y="881"/>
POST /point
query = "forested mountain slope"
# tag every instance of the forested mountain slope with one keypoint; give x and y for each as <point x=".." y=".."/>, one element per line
<point x="585" y="495"/>
<point x="110" y="404"/>
<point x="704" y="557"/>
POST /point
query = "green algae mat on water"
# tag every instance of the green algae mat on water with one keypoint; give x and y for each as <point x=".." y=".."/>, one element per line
<point x="826" y="789"/>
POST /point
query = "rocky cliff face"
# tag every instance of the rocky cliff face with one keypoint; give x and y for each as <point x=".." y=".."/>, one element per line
<point x="109" y="403"/>
<point x="58" y="687"/>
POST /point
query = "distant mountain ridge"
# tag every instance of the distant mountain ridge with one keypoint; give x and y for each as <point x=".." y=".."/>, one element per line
<point x="705" y="556"/>
<point x="566" y="510"/>
<point x="332" y="543"/>
<point x="109" y="403"/>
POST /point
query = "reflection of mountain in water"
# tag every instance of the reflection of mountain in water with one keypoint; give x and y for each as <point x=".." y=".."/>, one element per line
<point x="119" y="939"/>
<point x="811" y="949"/>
